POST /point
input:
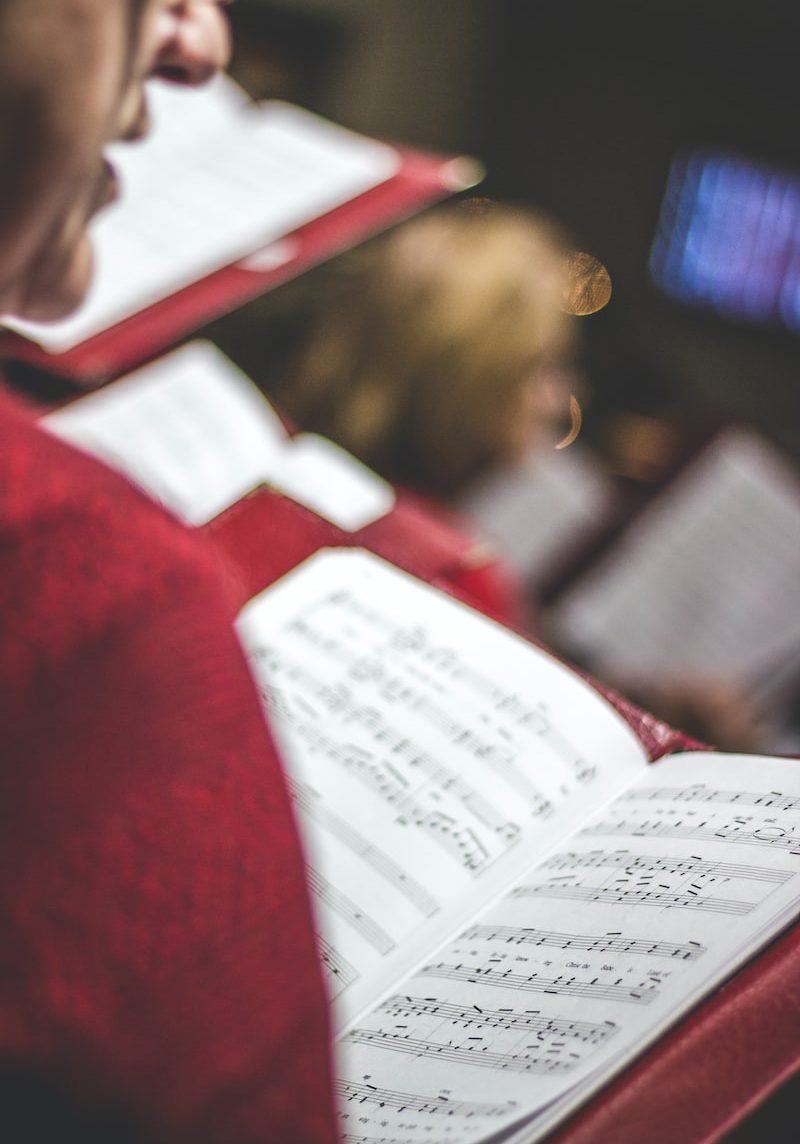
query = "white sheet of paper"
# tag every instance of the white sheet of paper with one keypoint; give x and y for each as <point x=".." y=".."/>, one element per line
<point x="197" y="434"/>
<point x="218" y="178"/>
<point x="538" y="512"/>
<point x="428" y="749"/>
<point x="326" y="478"/>
<point x="706" y="580"/>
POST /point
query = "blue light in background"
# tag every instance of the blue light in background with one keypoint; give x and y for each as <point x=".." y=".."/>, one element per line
<point x="728" y="238"/>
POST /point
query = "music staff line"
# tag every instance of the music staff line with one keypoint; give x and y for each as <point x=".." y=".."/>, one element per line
<point x="308" y="800"/>
<point x="459" y="840"/>
<point x="691" y="865"/>
<point x="387" y="780"/>
<point x="535" y="983"/>
<point x="340" y="971"/>
<point x="601" y="943"/>
<point x="339" y="698"/>
<point x="473" y="1016"/>
<point x="362" y="1093"/>
<point x="765" y="836"/>
<point x="364" y="925"/>
<point x="773" y="800"/>
<point x="532" y="719"/>
<point x="476" y="1055"/>
<point x="663" y="899"/>
<point x="359" y="1138"/>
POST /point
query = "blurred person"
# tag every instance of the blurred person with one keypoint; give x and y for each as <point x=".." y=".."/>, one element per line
<point x="158" y="977"/>
<point x="442" y="352"/>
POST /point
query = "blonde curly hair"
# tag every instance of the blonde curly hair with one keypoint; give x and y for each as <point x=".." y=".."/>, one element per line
<point x="418" y="357"/>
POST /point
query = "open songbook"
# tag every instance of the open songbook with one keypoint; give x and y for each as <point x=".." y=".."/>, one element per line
<point x="218" y="178"/>
<point x="225" y="199"/>
<point x="511" y="902"/>
<point x="702" y="583"/>
<point x="198" y="434"/>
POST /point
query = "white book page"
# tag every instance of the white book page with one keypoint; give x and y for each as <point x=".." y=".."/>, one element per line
<point x="190" y="429"/>
<point x="429" y="750"/>
<point x="590" y="956"/>
<point x="540" y="511"/>
<point x="218" y="178"/>
<point x="705" y="582"/>
<point x="197" y="434"/>
<point x="326" y="478"/>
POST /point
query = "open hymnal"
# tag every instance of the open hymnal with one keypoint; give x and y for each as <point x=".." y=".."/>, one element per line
<point x="218" y="178"/>
<point x="703" y="582"/>
<point x="541" y="512"/>
<point x="511" y="903"/>
<point x="197" y="434"/>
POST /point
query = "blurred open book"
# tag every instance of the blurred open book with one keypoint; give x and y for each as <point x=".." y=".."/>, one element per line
<point x="703" y="582"/>
<point x="223" y="182"/>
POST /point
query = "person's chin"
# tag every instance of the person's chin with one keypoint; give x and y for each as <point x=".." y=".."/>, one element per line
<point x="58" y="291"/>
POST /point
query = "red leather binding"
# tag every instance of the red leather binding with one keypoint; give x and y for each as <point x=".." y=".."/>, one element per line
<point x="421" y="180"/>
<point x="266" y="534"/>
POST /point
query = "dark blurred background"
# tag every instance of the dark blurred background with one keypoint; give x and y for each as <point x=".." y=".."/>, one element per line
<point x="577" y="108"/>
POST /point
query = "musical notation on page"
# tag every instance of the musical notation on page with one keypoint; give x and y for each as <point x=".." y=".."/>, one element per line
<point x="339" y="971"/>
<point x="773" y="800"/>
<point x="658" y="898"/>
<point x="366" y="926"/>
<point x="430" y="759"/>
<point x="601" y="943"/>
<point x="648" y="865"/>
<point x="475" y="1054"/>
<point x="776" y="836"/>
<point x="640" y="994"/>
<point x="309" y="801"/>
<point x="441" y="1106"/>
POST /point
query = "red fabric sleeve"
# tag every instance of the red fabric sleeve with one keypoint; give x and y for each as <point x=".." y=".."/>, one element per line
<point x="156" y="951"/>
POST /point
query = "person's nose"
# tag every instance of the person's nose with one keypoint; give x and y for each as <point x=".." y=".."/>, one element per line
<point x="194" y="41"/>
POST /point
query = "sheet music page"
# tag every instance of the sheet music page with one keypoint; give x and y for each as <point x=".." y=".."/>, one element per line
<point x="540" y="511"/>
<point x="590" y="956"/>
<point x="197" y="434"/>
<point x="705" y="581"/>
<point x="429" y="751"/>
<point x="218" y="178"/>
<point x="191" y="429"/>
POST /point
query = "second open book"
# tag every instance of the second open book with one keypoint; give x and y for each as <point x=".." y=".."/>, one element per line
<point x="511" y="902"/>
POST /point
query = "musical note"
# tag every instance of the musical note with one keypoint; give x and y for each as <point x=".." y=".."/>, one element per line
<point x="377" y="937"/>
<point x="359" y="1138"/>
<point x="773" y="800"/>
<point x="774" y="836"/>
<point x="527" y="1020"/>
<point x="535" y="983"/>
<point x="413" y="647"/>
<point x="340" y="972"/>
<point x="666" y="865"/>
<point x="363" y="1093"/>
<point x="525" y="1061"/>
<point x="660" y="898"/>
<point x="603" y="943"/>
<point x="391" y="783"/>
